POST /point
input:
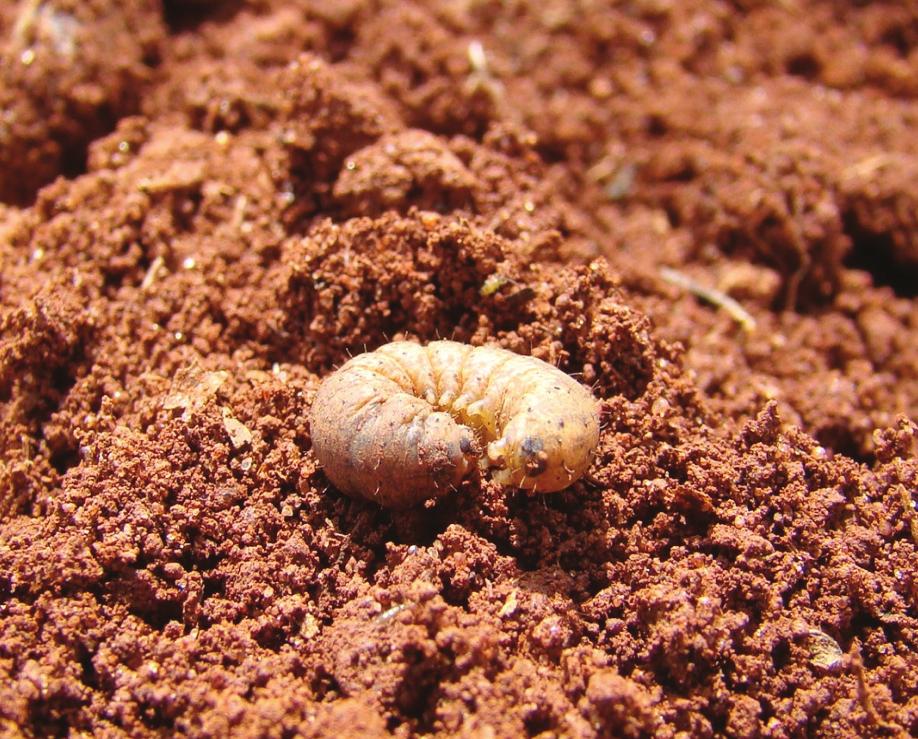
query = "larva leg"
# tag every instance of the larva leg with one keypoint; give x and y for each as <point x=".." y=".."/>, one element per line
<point x="479" y="399"/>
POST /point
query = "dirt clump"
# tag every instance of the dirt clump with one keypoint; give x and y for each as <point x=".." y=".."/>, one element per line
<point x="68" y="72"/>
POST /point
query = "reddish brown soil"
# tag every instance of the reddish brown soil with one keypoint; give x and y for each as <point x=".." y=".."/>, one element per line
<point x="208" y="205"/>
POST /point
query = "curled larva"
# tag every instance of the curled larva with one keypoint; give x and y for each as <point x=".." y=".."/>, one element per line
<point x="407" y="422"/>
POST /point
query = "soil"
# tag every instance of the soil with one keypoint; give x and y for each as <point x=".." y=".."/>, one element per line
<point x="707" y="209"/>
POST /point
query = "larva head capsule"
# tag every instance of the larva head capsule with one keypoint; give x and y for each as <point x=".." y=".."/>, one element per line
<point x="544" y="454"/>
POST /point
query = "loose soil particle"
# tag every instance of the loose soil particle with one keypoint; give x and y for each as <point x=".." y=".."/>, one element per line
<point x="207" y="206"/>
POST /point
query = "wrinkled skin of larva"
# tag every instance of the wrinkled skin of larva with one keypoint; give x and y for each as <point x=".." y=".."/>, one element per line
<point x="407" y="422"/>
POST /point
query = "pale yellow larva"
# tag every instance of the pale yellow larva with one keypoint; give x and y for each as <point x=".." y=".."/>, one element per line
<point x="407" y="422"/>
